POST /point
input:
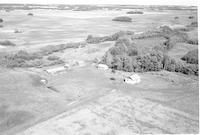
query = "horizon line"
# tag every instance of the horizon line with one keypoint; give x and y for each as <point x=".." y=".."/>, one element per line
<point x="98" y="4"/>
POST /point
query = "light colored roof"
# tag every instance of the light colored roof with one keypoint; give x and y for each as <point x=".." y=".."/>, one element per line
<point x="134" y="76"/>
<point x="103" y="66"/>
<point x="56" y="69"/>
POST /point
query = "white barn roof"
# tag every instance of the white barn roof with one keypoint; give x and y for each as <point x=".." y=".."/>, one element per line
<point x="55" y="69"/>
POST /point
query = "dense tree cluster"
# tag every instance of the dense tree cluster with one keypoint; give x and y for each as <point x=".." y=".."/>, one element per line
<point x="191" y="17"/>
<point x="191" y="57"/>
<point x="18" y="59"/>
<point x="93" y="40"/>
<point x="30" y="14"/>
<point x="124" y="56"/>
<point x="173" y="65"/>
<point x="25" y="59"/>
<point x="52" y="58"/>
<point x="7" y="43"/>
<point x="194" y="24"/>
<point x="171" y="36"/>
<point x="134" y="12"/>
<point x="122" y="19"/>
<point x="193" y="41"/>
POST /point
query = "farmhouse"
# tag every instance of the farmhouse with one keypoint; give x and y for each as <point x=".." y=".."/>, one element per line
<point x="133" y="79"/>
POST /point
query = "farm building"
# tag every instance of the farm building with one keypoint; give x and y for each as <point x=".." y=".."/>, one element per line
<point x="55" y="70"/>
<point x="133" y="79"/>
<point x="102" y="66"/>
<point x="44" y="81"/>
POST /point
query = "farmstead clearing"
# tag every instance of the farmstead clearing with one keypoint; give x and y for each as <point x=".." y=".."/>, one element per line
<point x="62" y="70"/>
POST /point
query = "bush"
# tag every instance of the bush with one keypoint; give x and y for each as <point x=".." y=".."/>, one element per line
<point x="191" y="17"/>
<point x="176" y="17"/>
<point x="185" y="29"/>
<point x="93" y="40"/>
<point x="34" y="63"/>
<point x="30" y="14"/>
<point x="194" y="24"/>
<point x="19" y="59"/>
<point x="168" y="44"/>
<point x="25" y="59"/>
<point x="112" y="78"/>
<point x="9" y="60"/>
<point x="1" y="20"/>
<point x="192" y="41"/>
<point x="173" y="65"/>
<point x="151" y="61"/>
<point x="56" y="48"/>
<point x="56" y="62"/>
<point x="124" y="46"/>
<point x="123" y="40"/>
<point x="118" y="35"/>
<point x="134" y="12"/>
<point x="122" y="62"/>
<point x="122" y="19"/>
<point x="169" y="63"/>
<point x="86" y="8"/>
<point x="7" y="43"/>
<point x="160" y="48"/>
<point x="191" y="69"/>
<point x="113" y="71"/>
<point x="191" y="57"/>
<point x="172" y="37"/>
<point x="27" y="56"/>
<point x="163" y="31"/>
<point x="52" y="58"/>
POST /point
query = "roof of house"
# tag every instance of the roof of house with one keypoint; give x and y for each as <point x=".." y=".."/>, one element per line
<point x="134" y="76"/>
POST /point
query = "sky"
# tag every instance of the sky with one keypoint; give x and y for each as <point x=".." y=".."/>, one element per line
<point x="132" y="2"/>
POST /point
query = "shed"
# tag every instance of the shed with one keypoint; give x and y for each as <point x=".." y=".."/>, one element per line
<point x="102" y="66"/>
<point x="44" y="81"/>
<point x="55" y="70"/>
<point x="133" y="79"/>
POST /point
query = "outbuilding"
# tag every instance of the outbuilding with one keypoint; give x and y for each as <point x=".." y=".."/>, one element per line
<point x="44" y="81"/>
<point x="55" y="70"/>
<point x="133" y="79"/>
<point x="102" y="66"/>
